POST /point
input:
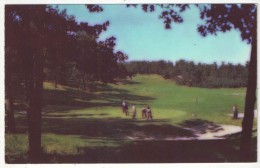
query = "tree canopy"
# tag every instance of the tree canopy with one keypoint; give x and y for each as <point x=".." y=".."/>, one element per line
<point x="191" y="74"/>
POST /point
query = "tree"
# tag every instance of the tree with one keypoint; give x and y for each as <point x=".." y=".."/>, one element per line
<point x="32" y="48"/>
<point x="85" y="56"/>
<point x="59" y="41"/>
<point x="10" y="67"/>
<point x="39" y="38"/>
<point x="28" y="21"/>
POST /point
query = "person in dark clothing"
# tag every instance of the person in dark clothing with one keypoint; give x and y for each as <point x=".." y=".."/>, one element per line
<point x="235" y="112"/>
<point x="144" y="113"/>
<point x="126" y="110"/>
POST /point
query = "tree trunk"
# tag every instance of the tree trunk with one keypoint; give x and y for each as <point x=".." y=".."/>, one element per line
<point x="33" y="52"/>
<point x="56" y="82"/>
<point x="34" y="110"/>
<point x="84" y="82"/>
<point x="9" y="113"/>
<point x="247" y="125"/>
<point x="10" y="121"/>
<point x="56" y="78"/>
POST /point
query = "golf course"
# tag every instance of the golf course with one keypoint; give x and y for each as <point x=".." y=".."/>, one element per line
<point x="89" y="126"/>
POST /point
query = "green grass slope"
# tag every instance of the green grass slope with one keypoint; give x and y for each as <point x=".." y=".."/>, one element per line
<point x="82" y="126"/>
<point x="168" y="101"/>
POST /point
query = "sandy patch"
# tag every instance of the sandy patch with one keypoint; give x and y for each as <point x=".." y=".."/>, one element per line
<point x="225" y="130"/>
<point x="208" y="134"/>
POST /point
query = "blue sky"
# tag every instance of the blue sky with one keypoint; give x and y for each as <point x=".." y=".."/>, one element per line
<point x="142" y="36"/>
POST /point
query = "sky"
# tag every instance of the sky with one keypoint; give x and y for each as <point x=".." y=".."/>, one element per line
<point x="142" y="36"/>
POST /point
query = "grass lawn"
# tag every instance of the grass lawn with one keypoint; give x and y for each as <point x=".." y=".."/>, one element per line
<point x="90" y="127"/>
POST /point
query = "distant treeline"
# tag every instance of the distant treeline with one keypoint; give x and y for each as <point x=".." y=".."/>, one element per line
<point x="190" y="74"/>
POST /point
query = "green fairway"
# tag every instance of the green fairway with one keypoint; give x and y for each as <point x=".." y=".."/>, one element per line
<point x="75" y="121"/>
<point x="168" y="101"/>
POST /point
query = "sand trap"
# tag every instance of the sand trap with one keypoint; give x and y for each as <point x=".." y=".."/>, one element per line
<point x="208" y="134"/>
<point x="225" y="130"/>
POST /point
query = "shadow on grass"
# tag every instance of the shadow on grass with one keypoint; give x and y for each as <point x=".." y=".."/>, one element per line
<point x="107" y="128"/>
<point x="128" y="82"/>
<point x="61" y="100"/>
<point x="201" y="126"/>
<point x="71" y="99"/>
<point x="203" y="151"/>
<point x="138" y="149"/>
<point x="73" y="115"/>
<point x="98" y="85"/>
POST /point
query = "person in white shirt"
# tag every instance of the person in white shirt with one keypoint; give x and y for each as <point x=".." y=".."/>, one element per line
<point x="123" y="106"/>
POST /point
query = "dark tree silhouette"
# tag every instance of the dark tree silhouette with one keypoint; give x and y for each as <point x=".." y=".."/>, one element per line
<point x="10" y="68"/>
<point x="29" y="45"/>
<point x="39" y="37"/>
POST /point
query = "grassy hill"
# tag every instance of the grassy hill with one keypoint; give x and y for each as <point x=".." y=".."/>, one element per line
<point x="177" y="103"/>
<point x="82" y="126"/>
<point x="168" y="101"/>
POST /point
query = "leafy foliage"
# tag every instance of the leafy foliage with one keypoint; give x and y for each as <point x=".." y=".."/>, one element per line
<point x="227" y="17"/>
